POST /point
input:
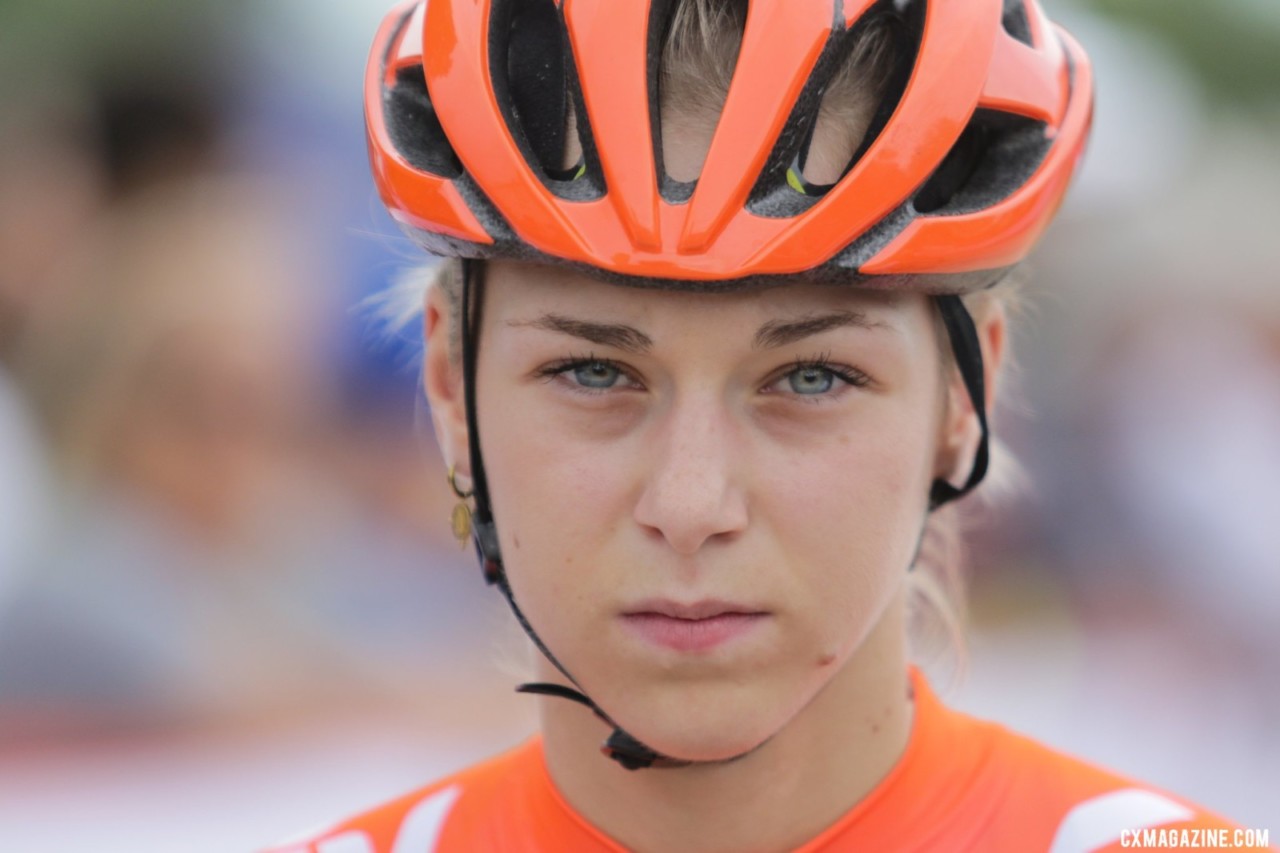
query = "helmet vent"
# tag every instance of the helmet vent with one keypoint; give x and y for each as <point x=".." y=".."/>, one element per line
<point x="994" y="156"/>
<point x="878" y="53"/>
<point x="697" y="44"/>
<point x="536" y="85"/>
<point x="850" y="111"/>
<point x="1015" y="21"/>
<point x="415" y="128"/>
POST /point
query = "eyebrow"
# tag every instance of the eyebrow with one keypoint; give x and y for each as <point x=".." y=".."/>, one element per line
<point x="774" y="333"/>
<point x="623" y="337"/>
<point x="777" y="333"/>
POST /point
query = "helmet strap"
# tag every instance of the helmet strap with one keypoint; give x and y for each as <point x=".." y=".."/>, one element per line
<point x="968" y="356"/>
<point x="620" y="746"/>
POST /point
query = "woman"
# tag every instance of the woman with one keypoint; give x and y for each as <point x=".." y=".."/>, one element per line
<point x="712" y="357"/>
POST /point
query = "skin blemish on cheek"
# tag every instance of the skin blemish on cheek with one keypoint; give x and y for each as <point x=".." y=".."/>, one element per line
<point x="516" y="541"/>
<point x="826" y="660"/>
<point x="875" y="723"/>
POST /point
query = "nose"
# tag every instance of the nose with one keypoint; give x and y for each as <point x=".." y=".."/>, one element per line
<point x="692" y="493"/>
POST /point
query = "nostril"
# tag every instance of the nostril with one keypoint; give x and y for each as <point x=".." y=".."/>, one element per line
<point x="688" y="520"/>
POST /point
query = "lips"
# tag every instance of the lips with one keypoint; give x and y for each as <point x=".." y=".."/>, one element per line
<point x="692" y="627"/>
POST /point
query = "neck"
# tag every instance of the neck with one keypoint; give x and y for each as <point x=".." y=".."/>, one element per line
<point x="820" y="765"/>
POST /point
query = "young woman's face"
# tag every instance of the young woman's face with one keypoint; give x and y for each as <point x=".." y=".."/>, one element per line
<point x="705" y="502"/>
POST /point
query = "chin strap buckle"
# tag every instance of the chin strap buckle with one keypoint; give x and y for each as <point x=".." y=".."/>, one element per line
<point x="621" y="747"/>
<point x="628" y="751"/>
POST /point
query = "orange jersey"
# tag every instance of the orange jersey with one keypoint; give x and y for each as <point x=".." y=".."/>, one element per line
<point x="961" y="784"/>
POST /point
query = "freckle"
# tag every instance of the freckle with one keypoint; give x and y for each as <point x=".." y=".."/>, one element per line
<point x="875" y="728"/>
<point x="516" y="539"/>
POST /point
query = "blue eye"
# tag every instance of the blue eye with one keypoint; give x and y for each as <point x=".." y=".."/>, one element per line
<point x="816" y="380"/>
<point x="596" y="374"/>
<point x="811" y="380"/>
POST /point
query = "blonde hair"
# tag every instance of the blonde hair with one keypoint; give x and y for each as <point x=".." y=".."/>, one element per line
<point x="698" y="59"/>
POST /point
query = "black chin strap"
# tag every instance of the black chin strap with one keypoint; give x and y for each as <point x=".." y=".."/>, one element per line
<point x="621" y="746"/>
<point x="968" y="355"/>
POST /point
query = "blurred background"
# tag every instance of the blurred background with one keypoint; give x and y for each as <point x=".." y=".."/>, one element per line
<point x="230" y="607"/>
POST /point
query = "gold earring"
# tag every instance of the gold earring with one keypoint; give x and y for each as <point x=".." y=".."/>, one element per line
<point x="461" y="518"/>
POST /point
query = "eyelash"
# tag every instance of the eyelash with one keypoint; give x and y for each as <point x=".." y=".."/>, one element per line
<point x="849" y="375"/>
<point x="557" y="369"/>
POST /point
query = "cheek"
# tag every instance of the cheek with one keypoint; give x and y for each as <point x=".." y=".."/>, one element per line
<point x="848" y="514"/>
<point x="557" y="501"/>
<point x="867" y="470"/>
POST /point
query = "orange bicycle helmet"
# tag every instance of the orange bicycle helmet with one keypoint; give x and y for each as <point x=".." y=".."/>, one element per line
<point x="960" y="173"/>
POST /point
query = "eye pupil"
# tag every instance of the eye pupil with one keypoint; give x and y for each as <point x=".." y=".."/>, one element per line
<point x="811" y="380"/>
<point x="596" y="374"/>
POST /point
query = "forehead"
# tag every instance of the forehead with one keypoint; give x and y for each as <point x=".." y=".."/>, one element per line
<point x="516" y="288"/>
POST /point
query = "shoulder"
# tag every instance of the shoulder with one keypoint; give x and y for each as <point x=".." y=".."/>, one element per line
<point x="1069" y="805"/>
<point x="466" y="804"/>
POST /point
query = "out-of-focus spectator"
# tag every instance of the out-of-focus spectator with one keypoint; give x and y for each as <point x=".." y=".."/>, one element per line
<point x="1190" y="439"/>
<point x="205" y="562"/>
<point x="69" y="149"/>
<point x="181" y="323"/>
<point x="166" y="367"/>
<point x="155" y="132"/>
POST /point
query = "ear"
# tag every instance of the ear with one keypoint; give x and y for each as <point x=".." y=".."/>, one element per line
<point x="961" y="431"/>
<point x="443" y="384"/>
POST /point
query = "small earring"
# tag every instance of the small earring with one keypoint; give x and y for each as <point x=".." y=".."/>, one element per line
<point x="461" y="518"/>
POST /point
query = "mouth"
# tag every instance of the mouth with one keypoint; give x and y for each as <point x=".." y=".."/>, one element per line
<point x="695" y="627"/>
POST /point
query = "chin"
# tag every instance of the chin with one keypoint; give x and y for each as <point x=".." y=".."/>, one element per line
<point x="706" y="728"/>
<point x="705" y="746"/>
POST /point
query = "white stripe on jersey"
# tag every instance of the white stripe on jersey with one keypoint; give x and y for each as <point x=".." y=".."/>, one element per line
<point x="421" y="827"/>
<point x="1101" y="821"/>
<point x="347" y="842"/>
